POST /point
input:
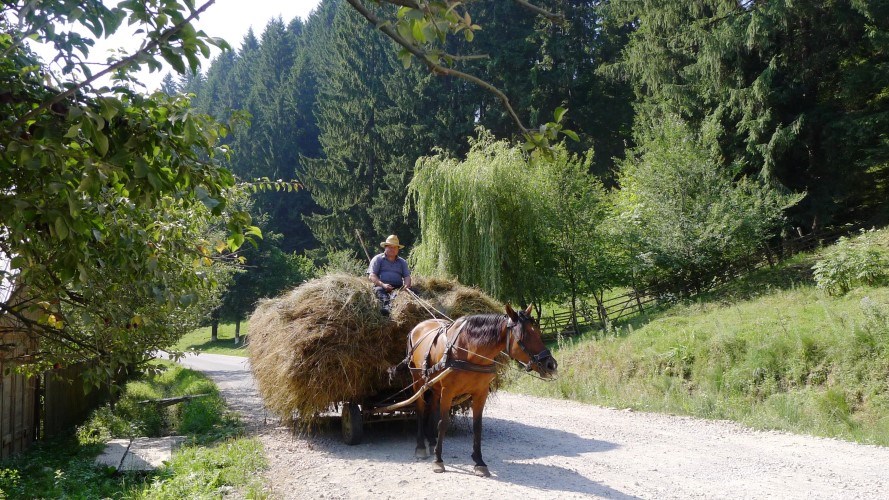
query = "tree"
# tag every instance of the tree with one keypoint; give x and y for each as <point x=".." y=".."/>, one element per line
<point x="686" y="219"/>
<point x="109" y="196"/>
<point x="479" y="221"/>
<point x="267" y="272"/>
<point x="363" y="110"/>
<point x="573" y="207"/>
<point x="422" y="30"/>
<point x="793" y="91"/>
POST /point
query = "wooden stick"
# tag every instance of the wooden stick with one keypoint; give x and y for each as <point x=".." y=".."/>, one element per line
<point x="415" y="397"/>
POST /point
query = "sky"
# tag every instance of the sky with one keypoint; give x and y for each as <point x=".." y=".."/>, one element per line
<point x="228" y="19"/>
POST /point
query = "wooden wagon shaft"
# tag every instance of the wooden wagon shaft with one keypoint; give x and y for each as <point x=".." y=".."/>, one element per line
<point x="413" y="398"/>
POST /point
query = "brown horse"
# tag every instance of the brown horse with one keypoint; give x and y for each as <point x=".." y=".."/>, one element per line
<point x="466" y="349"/>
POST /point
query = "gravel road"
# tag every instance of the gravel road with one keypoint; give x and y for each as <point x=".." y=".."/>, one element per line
<point x="546" y="448"/>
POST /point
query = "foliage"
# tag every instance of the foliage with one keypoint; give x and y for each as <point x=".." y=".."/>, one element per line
<point x="479" y="220"/>
<point x="130" y="418"/>
<point x="792" y="90"/>
<point x="343" y="261"/>
<point x="267" y="272"/>
<point x="422" y="30"/>
<point x="683" y="217"/>
<point x="573" y="205"/>
<point x="271" y="80"/>
<point x="862" y="260"/>
<point x="213" y="462"/>
<point x="110" y="196"/>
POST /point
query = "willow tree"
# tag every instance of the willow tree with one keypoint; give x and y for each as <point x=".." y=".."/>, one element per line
<point x="479" y="220"/>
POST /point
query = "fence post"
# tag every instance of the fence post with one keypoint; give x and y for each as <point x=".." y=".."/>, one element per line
<point x="636" y="295"/>
<point x="600" y="308"/>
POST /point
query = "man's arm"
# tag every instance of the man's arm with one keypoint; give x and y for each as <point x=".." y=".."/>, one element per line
<point x="407" y="281"/>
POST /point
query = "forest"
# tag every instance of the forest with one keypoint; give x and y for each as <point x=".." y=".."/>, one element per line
<point x="612" y="144"/>
<point x="705" y="131"/>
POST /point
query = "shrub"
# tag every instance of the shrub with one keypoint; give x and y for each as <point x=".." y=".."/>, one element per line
<point x="852" y="262"/>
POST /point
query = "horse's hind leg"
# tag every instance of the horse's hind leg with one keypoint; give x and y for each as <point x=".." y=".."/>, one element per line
<point x="444" y="412"/>
<point x="478" y="406"/>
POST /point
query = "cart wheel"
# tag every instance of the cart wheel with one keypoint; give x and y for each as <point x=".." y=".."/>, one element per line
<point x="353" y="427"/>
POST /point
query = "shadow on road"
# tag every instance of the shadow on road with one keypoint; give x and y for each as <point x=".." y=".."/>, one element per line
<point x="506" y="445"/>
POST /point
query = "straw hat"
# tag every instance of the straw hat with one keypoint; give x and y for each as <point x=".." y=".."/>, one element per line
<point x="391" y="241"/>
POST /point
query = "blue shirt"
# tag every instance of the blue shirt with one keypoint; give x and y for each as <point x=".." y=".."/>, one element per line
<point x="389" y="272"/>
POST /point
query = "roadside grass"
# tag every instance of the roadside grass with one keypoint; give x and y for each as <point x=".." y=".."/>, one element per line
<point x="199" y="340"/>
<point x="215" y="461"/>
<point x="770" y="351"/>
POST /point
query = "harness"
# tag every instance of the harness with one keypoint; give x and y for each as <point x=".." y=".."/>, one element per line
<point x="533" y="358"/>
<point x="447" y="360"/>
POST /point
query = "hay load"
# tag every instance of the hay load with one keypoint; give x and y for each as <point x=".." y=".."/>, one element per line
<point x="326" y="342"/>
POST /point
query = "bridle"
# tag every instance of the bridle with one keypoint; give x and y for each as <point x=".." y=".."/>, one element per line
<point x="511" y="327"/>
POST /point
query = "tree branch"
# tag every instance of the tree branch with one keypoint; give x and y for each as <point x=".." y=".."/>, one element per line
<point x="552" y="16"/>
<point x="114" y="67"/>
<point x="435" y="68"/>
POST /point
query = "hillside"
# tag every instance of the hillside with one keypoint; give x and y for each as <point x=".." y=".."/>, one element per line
<point x="771" y="350"/>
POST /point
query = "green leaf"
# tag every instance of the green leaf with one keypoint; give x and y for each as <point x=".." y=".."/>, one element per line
<point x="100" y="141"/>
<point x="571" y="134"/>
<point x="254" y="231"/>
<point x="417" y="31"/>
<point x="61" y="228"/>
<point x="140" y="168"/>
<point x="559" y="113"/>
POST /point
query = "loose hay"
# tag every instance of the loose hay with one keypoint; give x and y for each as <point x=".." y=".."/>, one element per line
<point x="326" y="342"/>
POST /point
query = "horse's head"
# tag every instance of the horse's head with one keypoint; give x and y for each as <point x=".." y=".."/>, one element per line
<point x="524" y="344"/>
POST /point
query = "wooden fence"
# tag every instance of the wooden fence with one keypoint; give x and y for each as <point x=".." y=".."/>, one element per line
<point x="18" y="397"/>
<point x="66" y="402"/>
<point x="25" y="416"/>
<point x="638" y="301"/>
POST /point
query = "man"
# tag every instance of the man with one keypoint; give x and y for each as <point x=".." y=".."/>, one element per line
<point x="389" y="272"/>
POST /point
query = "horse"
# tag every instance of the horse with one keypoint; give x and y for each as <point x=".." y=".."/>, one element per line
<point x="452" y="360"/>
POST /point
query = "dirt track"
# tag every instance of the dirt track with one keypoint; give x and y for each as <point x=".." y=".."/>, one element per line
<point x="558" y="449"/>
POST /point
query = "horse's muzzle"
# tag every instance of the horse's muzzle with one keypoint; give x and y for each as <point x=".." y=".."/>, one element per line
<point x="544" y="363"/>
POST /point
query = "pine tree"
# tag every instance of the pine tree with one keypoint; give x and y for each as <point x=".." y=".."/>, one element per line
<point x="364" y="108"/>
<point x="793" y="90"/>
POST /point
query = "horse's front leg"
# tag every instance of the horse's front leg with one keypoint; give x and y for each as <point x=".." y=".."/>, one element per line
<point x="422" y="417"/>
<point x="444" y="411"/>
<point x="478" y="406"/>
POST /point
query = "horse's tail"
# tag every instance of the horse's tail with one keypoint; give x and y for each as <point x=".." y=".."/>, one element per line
<point x="395" y="372"/>
<point x="400" y="369"/>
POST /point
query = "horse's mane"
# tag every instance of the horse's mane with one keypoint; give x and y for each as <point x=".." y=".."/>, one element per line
<point x="483" y="329"/>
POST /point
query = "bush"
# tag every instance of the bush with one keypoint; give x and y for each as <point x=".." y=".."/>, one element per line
<point x="852" y="262"/>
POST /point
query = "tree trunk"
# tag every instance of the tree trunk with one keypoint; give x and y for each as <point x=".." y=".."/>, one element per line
<point x="237" y="331"/>
<point x="214" y="330"/>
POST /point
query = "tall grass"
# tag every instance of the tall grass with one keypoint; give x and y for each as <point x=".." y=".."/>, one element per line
<point x="786" y="357"/>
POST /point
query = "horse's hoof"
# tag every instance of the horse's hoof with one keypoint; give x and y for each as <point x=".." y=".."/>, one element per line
<point x="438" y="467"/>
<point x="420" y="453"/>
<point x="482" y="471"/>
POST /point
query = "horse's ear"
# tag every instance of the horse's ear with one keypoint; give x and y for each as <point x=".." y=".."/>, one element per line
<point x="529" y="309"/>
<point x="512" y="314"/>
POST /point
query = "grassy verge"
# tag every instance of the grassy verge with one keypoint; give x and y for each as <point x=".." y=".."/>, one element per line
<point x="215" y="461"/>
<point x="199" y="340"/>
<point x="771" y="351"/>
